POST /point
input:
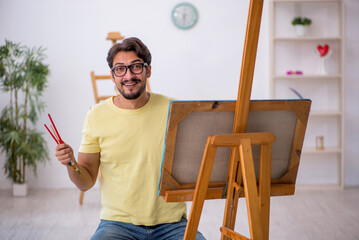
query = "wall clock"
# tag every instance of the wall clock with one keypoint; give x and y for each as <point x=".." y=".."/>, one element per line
<point x="184" y="15"/>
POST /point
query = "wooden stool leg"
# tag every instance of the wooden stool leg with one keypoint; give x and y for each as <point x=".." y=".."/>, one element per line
<point x="81" y="200"/>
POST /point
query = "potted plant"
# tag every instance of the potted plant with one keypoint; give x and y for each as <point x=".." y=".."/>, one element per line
<point x="23" y="76"/>
<point x="301" y="24"/>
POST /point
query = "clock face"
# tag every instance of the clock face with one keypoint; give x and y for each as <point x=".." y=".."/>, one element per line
<point x="184" y="15"/>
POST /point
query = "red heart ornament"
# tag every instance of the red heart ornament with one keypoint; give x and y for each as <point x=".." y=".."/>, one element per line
<point x="323" y="50"/>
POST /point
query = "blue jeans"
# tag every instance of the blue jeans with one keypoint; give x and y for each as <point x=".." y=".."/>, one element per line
<point x="119" y="230"/>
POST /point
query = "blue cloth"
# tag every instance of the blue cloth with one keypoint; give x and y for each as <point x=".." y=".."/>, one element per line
<point x="119" y="230"/>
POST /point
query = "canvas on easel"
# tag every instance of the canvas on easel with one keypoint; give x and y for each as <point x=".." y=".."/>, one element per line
<point x="191" y="123"/>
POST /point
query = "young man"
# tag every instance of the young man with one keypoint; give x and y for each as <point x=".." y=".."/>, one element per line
<point x="125" y="136"/>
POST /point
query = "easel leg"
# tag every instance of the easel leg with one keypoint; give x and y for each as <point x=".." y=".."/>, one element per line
<point x="230" y="211"/>
<point x="264" y="187"/>
<point x="257" y="198"/>
<point x="200" y="191"/>
<point x="250" y="189"/>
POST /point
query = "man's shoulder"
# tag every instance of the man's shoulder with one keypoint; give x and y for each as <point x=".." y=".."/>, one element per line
<point x="99" y="108"/>
<point x="160" y="102"/>
<point x="161" y="98"/>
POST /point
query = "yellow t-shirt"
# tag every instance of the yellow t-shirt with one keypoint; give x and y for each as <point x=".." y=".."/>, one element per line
<point x="130" y="143"/>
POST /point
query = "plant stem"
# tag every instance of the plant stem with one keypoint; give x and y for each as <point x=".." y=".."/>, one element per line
<point x="16" y="123"/>
<point x="25" y="127"/>
<point x="23" y="170"/>
<point x="14" y="159"/>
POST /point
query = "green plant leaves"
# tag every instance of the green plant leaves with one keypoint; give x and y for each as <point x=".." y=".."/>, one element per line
<point x="301" y="21"/>
<point x="23" y="75"/>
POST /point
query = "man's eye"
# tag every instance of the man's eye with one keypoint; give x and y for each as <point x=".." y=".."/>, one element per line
<point x="119" y="69"/>
<point x="136" y="66"/>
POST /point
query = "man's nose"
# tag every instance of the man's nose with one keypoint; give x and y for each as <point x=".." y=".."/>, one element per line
<point x="128" y="73"/>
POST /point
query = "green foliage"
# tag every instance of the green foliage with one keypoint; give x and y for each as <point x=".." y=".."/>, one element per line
<point x="301" y="21"/>
<point x="23" y="76"/>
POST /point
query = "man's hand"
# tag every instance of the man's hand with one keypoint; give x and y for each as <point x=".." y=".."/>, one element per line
<point x="64" y="153"/>
<point x="88" y="164"/>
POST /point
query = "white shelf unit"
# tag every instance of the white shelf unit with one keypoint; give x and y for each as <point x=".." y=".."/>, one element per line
<point x="288" y="52"/>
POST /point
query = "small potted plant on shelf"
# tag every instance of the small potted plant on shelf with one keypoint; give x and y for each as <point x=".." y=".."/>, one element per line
<point x="301" y="24"/>
<point x="23" y="76"/>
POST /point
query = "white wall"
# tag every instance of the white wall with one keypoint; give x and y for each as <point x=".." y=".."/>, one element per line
<point x="188" y="64"/>
<point x="351" y="170"/>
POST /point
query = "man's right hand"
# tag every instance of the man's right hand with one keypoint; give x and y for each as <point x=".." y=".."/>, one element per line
<point x="64" y="153"/>
<point x="88" y="164"/>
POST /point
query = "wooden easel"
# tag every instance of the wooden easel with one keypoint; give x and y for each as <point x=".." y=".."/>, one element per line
<point x="241" y="171"/>
<point x="241" y="161"/>
<point x="241" y="154"/>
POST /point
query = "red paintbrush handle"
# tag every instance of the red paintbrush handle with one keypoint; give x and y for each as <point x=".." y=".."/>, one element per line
<point x="57" y="133"/>
<point x="51" y="134"/>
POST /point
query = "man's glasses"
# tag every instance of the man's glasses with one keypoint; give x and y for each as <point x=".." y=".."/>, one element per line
<point x="135" y="68"/>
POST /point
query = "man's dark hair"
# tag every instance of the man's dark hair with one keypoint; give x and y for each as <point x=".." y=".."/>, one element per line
<point x="127" y="45"/>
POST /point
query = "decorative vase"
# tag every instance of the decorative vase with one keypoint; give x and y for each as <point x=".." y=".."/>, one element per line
<point x="323" y="52"/>
<point x="19" y="189"/>
<point x="322" y="69"/>
<point x="319" y="142"/>
<point x="300" y="30"/>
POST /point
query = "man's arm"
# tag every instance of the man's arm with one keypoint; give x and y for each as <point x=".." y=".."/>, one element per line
<point x="88" y="163"/>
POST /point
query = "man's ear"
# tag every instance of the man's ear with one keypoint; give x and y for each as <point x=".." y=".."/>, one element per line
<point x="112" y="76"/>
<point x="148" y="71"/>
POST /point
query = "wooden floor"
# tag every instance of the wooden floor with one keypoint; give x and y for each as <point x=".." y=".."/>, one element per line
<point x="56" y="214"/>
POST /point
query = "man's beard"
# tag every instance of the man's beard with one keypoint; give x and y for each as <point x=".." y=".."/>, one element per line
<point x="133" y="94"/>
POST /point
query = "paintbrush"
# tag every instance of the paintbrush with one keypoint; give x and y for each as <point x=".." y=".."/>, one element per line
<point x="56" y="136"/>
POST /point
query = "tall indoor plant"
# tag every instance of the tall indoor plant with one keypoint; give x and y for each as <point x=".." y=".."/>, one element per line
<point x="23" y="76"/>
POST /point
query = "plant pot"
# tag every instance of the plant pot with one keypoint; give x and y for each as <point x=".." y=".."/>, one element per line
<point x="300" y="30"/>
<point x="19" y="189"/>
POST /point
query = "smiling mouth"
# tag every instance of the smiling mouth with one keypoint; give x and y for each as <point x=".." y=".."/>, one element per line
<point x="130" y="83"/>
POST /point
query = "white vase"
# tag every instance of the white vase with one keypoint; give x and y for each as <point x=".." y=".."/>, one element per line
<point x="322" y="70"/>
<point x="300" y="30"/>
<point x="19" y="189"/>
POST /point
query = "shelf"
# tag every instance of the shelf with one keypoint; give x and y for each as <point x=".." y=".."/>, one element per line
<point x="329" y="76"/>
<point x="325" y="113"/>
<point x="303" y="1"/>
<point x="325" y="150"/>
<point x="290" y="52"/>
<point x="290" y="38"/>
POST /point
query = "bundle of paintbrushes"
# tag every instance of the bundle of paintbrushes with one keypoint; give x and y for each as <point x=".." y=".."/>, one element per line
<point x="56" y="136"/>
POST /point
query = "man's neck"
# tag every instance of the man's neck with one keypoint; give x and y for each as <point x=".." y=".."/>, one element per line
<point x="124" y="103"/>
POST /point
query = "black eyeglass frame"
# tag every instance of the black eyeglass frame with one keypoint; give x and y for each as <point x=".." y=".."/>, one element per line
<point x="129" y="67"/>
